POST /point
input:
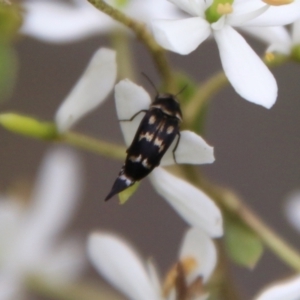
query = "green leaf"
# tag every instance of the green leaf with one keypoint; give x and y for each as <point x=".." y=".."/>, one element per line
<point x="126" y="194"/>
<point x="28" y="126"/>
<point x="10" y="21"/>
<point x="243" y="246"/>
<point x="8" y="70"/>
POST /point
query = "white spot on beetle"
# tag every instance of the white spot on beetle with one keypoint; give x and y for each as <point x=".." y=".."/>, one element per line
<point x="170" y="129"/>
<point x="127" y="180"/>
<point x="136" y="158"/>
<point x="148" y="136"/>
<point x="146" y="164"/>
<point x="152" y="120"/>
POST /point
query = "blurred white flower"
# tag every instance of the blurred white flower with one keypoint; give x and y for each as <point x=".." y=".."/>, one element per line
<point x="90" y="91"/>
<point x="285" y="290"/>
<point x="196" y="208"/>
<point x="278" y="39"/>
<point x="292" y="209"/>
<point x="29" y="235"/>
<point x="61" y="22"/>
<point x="244" y="69"/>
<point x="120" y="264"/>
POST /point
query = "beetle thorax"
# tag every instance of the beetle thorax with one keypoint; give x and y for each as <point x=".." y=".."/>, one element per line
<point x="168" y="104"/>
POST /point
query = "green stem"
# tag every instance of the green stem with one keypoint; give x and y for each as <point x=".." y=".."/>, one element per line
<point x="141" y="32"/>
<point x="222" y="285"/>
<point x="78" y="291"/>
<point x="125" y="62"/>
<point x="93" y="145"/>
<point x="204" y="93"/>
<point x="231" y="203"/>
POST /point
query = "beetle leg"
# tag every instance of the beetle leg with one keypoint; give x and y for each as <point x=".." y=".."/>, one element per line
<point x="176" y="145"/>
<point x="129" y="120"/>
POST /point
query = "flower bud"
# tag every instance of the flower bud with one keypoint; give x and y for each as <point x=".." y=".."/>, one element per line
<point x="28" y="126"/>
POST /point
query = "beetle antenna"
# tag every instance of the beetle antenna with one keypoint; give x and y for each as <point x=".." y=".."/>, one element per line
<point x="151" y="82"/>
<point x="182" y="90"/>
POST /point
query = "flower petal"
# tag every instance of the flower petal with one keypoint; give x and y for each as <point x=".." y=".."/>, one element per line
<point x="277" y="38"/>
<point x="10" y="286"/>
<point x="277" y="15"/>
<point x="65" y="263"/>
<point x="55" y="198"/>
<point x="147" y="10"/>
<point x="246" y="72"/>
<point x="192" y="7"/>
<point x="130" y="99"/>
<point x="117" y="261"/>
<point x="154" y="276"/>
<point x="58" y="22"/>
<point x="196" y="208"/>
<point x="197" y="245"/>
<point x="181" y="36"/>
<point x="90" y="91"/>
<point x="192" y="149"/>
<point x="242" y="15"/>
<point x="296" y="33"/>
<point x="292" y="209"/>
<point x="288" y="290"/>
<point x="10" y="220"/>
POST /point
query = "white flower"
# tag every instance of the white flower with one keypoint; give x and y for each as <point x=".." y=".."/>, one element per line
<point x="120" y="264"/>
<point x="90" y="91"/>
<point x="287" y="290"/>
<point x="244" y="69"/>
<point x="292" y="209"/>
<point x="28" y="235"/>
<point x="61" y="22"/>
<point x="278" y="39"/>
<point x="192" y="204"/>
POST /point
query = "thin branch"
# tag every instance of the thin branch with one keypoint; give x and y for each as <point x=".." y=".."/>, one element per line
<point x="234" y="205"/>
<point x="141" y="32"/>
<point x="231" y="203"/>
<point x="204" y="93"/>
<point x="106" y="149"/>
<point x="78" y="291"/>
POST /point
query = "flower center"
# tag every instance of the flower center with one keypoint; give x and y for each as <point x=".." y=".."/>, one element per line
<point x="269" y="56"/>
<point x="179" y="271"/>
<point x="218" y="9"/>
<point x="224" y="9"/>
<point x="278" y="2"/>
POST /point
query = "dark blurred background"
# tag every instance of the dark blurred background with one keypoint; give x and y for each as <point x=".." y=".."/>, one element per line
<point x="257" y="150"/>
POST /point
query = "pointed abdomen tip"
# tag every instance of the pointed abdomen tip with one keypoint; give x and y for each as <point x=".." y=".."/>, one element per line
<point x="121" y="184"/>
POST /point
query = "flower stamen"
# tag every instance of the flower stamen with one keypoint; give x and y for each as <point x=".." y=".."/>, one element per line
<point x="186" y="266"/>
<point x="278" y="2"/>
<point x="269" y="56"/>
<point x="224" y="9"/>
